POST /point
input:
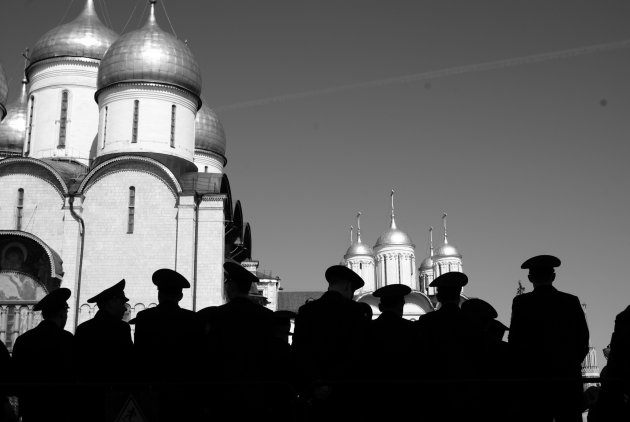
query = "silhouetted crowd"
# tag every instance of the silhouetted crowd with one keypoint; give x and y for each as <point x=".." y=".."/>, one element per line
<point x="235" y="361"/>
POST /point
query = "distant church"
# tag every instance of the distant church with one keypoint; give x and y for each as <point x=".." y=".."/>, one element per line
<point x="392" y="260"/>
<point x="111" y="167"/>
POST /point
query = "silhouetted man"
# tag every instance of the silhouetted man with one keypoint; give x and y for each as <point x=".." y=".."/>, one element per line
<point x="549" y="340"/>
<point x="613" y="403"/>
<point x="327" y="336"/>
<point x="44" y="356"/>
<point x="448" y="342"/>
<point x="167" y="340"/>
<point x="239" y="342"/>
<point x="387" y="343"/>
<point x="104" y="350"/>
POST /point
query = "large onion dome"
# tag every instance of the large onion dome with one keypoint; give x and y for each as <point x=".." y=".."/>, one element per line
<point x="150" y="55"/>
<point x="4" y="92"/>
<point x="13" y="127"/>
<point x="86" y="36"/>
<point x="209" y="133"/>
<point x="447" y="250"/>
<point x="393" y="236"/>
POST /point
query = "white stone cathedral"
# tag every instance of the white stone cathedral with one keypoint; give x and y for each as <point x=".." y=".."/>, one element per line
<point x="393" y="261"/>
<point x="112" y="167"/>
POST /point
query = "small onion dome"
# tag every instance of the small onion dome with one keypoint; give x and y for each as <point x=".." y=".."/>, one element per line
<point x="447" y="250"/>
<point x="427" y="263"/>
<point x="150" y="55"/>
<point x="358" y="249"/>
<point x="4" y="92"/>
<point x="13" y="127"/>
<point x="86" y="36"/>
<point x="209" y="133"/>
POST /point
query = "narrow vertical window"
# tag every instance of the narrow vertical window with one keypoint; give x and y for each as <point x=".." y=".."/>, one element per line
<point x="63" y="119"/>
<point x="30" y="125"/>
<point x="105" y="126"/>
<point x="132" y="206"/>
<point x="20" y="208"/>
<point x="134" y="131"/>
<point x="173" y="112"/>
<point x="205" y="169"/>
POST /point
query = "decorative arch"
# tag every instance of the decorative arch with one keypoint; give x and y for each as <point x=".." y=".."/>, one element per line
<point x="247" y="240"/>
<point x="37" y="250"/>
<point x="225" y="189"/>
<point x="131" y="163"/>
<point x="36" y="168"/>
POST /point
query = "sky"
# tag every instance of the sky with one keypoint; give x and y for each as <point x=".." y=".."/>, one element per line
<point x="511" y="116"/>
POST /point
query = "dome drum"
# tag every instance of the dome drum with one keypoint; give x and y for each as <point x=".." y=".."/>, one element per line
<point x="209" y="162"/>
<point x="4" y="92"/>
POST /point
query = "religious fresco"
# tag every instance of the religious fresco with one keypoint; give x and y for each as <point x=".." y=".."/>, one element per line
<point x="18" y="286"/>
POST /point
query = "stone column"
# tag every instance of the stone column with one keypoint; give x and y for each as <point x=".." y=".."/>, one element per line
<point x="210" y="251"/>
<point x="185" y="245"/>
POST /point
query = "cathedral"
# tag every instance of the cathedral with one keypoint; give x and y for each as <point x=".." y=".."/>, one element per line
<point x="392" y="260"/>
<point x="111" y="167"/>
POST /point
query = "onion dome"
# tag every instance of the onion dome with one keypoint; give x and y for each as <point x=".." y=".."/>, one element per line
<point x="13" y="127"/>
<point x="150" y="55"/>
<point x="427" y="263"/>
<point x="4" y="92"/>
<point x="446" y="250"/>
<point x="86" y="36"/>
<point x="393" y="235"/>
<point x="358" y="248"/>
<point x="209" y="133"/>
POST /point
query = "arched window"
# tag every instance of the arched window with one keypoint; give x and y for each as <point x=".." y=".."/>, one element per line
<point x="132" y="206"/>
<point x="30" y="125"/>
<point x="105" y="126"/>
<point x="20" y="209"/>
<point x="173" y="113"/>
<point x="63" y="119"/>
<point x="136" y="112"/>
<point x="205" y="169"/>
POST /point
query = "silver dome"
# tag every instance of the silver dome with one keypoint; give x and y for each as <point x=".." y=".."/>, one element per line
<point x="13" y="127"/>
<point x="86" y="36"/>
<point x="209" y="133"/>
<point x="4" y="92"/>
<point x="393" y="236"/>
<point x="151" y="55"/>
<point x="358" y="249"/>
<point x="447" y="250"/>
<point x="427" y="263"/>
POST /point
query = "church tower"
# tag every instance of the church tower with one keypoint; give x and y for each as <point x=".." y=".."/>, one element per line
<point x="62" y="115"/>
<point x="210" y="142"/>
<point x="446" y="258"/>
<point x="395" y="258"/>
<point x="426" y="269"/>
<point x="13" y="127"/>
<point x="148" y="94"/>
<point x="360" y="258"/>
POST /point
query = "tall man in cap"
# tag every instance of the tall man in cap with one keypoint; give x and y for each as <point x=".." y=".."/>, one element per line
<point x="104" y="350"/>
<point x="327" y="336"/>
<point x="167" y="340"/>
<point x="549" y="340"/>
<point x="44" y="356"/>
<point x="238" y="341"/>
<point x="448" y="342"/>
<point x="389" y="337"/>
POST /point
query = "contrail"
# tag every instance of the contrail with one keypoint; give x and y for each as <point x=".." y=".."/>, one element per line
<point x="435" y="74"/>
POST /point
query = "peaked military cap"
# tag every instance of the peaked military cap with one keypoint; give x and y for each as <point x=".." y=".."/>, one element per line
<point x="168" y="279"/>
<point x="541" y="262"/>
<point x="239" y="274"/>
<point x="343" y="273"/>
<point x="480" y="308"/>
<point x="54" y="300"/>
<point x="451" y="279"/>
<point x="392" y="291"/>
<point x="117" y="290"/>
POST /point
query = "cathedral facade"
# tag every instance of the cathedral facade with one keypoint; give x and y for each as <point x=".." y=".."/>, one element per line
<point x="111" y="167"/>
